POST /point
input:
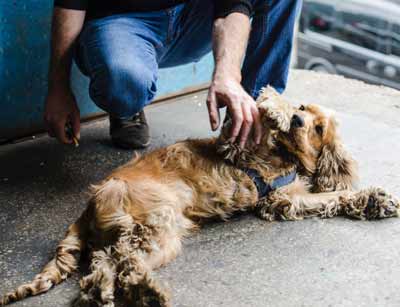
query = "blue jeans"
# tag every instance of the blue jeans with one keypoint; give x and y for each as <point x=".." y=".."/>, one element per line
<point x="121" y="54"/>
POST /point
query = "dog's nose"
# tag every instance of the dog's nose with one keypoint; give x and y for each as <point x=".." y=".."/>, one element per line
<point x="296" y="122"/>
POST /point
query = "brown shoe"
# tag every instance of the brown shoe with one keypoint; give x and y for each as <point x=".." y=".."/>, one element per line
<point x="131" y="133"/>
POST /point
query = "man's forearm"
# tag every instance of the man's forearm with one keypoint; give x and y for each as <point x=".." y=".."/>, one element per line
<point x="230" y="38"/>
<point x="66" y="26"/>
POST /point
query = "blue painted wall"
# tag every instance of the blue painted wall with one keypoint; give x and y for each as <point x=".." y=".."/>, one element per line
<point x="24" y="57"/>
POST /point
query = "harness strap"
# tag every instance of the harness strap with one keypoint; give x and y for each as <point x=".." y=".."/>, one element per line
<point x="264" y="188"/>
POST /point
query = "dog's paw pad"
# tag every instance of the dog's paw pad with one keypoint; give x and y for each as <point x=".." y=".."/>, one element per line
<point x="381" y="205"/>
<point x="374" y="203"/>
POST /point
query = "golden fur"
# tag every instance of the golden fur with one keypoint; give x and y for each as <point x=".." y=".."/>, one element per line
<point x="137" y="217"/>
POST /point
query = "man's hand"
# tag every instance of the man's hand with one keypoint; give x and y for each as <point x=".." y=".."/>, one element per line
<point x="230" y="37"/>
<point x="241" y="106"/>
<point x="61" y="109"/>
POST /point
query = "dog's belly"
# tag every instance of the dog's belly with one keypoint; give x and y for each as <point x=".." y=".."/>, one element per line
<point x="190" y="177"/>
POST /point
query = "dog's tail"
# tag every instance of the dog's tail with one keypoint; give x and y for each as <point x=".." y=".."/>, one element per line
<point x="59" y="268"/>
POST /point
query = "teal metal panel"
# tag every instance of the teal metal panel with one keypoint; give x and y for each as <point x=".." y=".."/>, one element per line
<point x="24" y="57"/>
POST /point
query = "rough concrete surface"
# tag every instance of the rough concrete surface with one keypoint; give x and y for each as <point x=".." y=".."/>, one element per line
<point x="246" y="262"/>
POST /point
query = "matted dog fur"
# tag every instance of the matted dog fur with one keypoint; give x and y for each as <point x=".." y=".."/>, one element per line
<point x="137" y="217"/>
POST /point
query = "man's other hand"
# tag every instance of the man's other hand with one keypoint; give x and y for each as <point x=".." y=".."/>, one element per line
<point x="61" y="109"/>
<point x="241" y="106"/>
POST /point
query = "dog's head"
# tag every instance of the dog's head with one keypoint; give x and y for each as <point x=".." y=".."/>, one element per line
<point x="309" y="132"/>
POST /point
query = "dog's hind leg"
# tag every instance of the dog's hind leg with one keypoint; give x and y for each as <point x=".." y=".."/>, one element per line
<point x="135" y="276"/>
<point x="144" y="232"/>
<point x="109" y="221"/>
<point x="98" y="287"/>
<point x="59" y="268"/>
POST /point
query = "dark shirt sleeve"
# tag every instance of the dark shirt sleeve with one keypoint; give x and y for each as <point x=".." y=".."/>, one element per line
<point x="72" y="4"/>
<point x="226" y="7"/>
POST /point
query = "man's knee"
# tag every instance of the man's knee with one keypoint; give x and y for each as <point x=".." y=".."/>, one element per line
<point x="122" y="88"/>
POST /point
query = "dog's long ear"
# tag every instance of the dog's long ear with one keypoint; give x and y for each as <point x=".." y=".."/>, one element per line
<point x="336" y="170"/>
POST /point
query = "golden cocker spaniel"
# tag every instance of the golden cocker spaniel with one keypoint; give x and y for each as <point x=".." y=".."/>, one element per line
<point x="137" y="217"/>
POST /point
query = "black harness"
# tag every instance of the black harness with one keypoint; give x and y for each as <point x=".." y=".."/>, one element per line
<point x="264" y="188"/>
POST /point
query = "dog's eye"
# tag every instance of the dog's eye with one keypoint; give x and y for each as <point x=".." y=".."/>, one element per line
<point x="319" y="129"/>
<point x="302" y="108"/>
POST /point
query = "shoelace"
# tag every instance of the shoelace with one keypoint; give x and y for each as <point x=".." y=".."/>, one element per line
<point x="135" y="121"/>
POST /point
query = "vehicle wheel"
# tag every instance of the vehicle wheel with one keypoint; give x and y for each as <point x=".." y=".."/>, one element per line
<point x="321" y="69"/>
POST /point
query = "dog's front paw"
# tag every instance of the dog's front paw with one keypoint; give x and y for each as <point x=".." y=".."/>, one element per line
<point x="373" y="203"/>
<point x="277" y="120"/>
<point x="276" y="110"/>
<point x="266" y="214"/>
<point x="277" y="208"/>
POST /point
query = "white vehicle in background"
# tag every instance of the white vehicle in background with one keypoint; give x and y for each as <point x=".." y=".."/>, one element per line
<point x="355" y="38"/>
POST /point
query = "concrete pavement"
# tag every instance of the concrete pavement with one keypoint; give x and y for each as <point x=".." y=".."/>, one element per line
<point x="246" y="262"/>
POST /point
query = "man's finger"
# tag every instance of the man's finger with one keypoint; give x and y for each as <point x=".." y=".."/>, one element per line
<point x="213" y="110"/>
<point x="48" y="128"/>
<point x="257" y="125"/>
<point x="247" y="124"/>
<point x="237" y="120"/>
<point x="61" y="135"/>
<point x="76" y="125"/>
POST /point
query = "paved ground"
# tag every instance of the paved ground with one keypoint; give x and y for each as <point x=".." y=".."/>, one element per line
<point x="246" y="262"/>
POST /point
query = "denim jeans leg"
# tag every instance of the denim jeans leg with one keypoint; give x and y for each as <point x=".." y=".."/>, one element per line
<point x="190" y="34"/>
<point x="268" y="54"/>
<point x="119" y="54"/>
